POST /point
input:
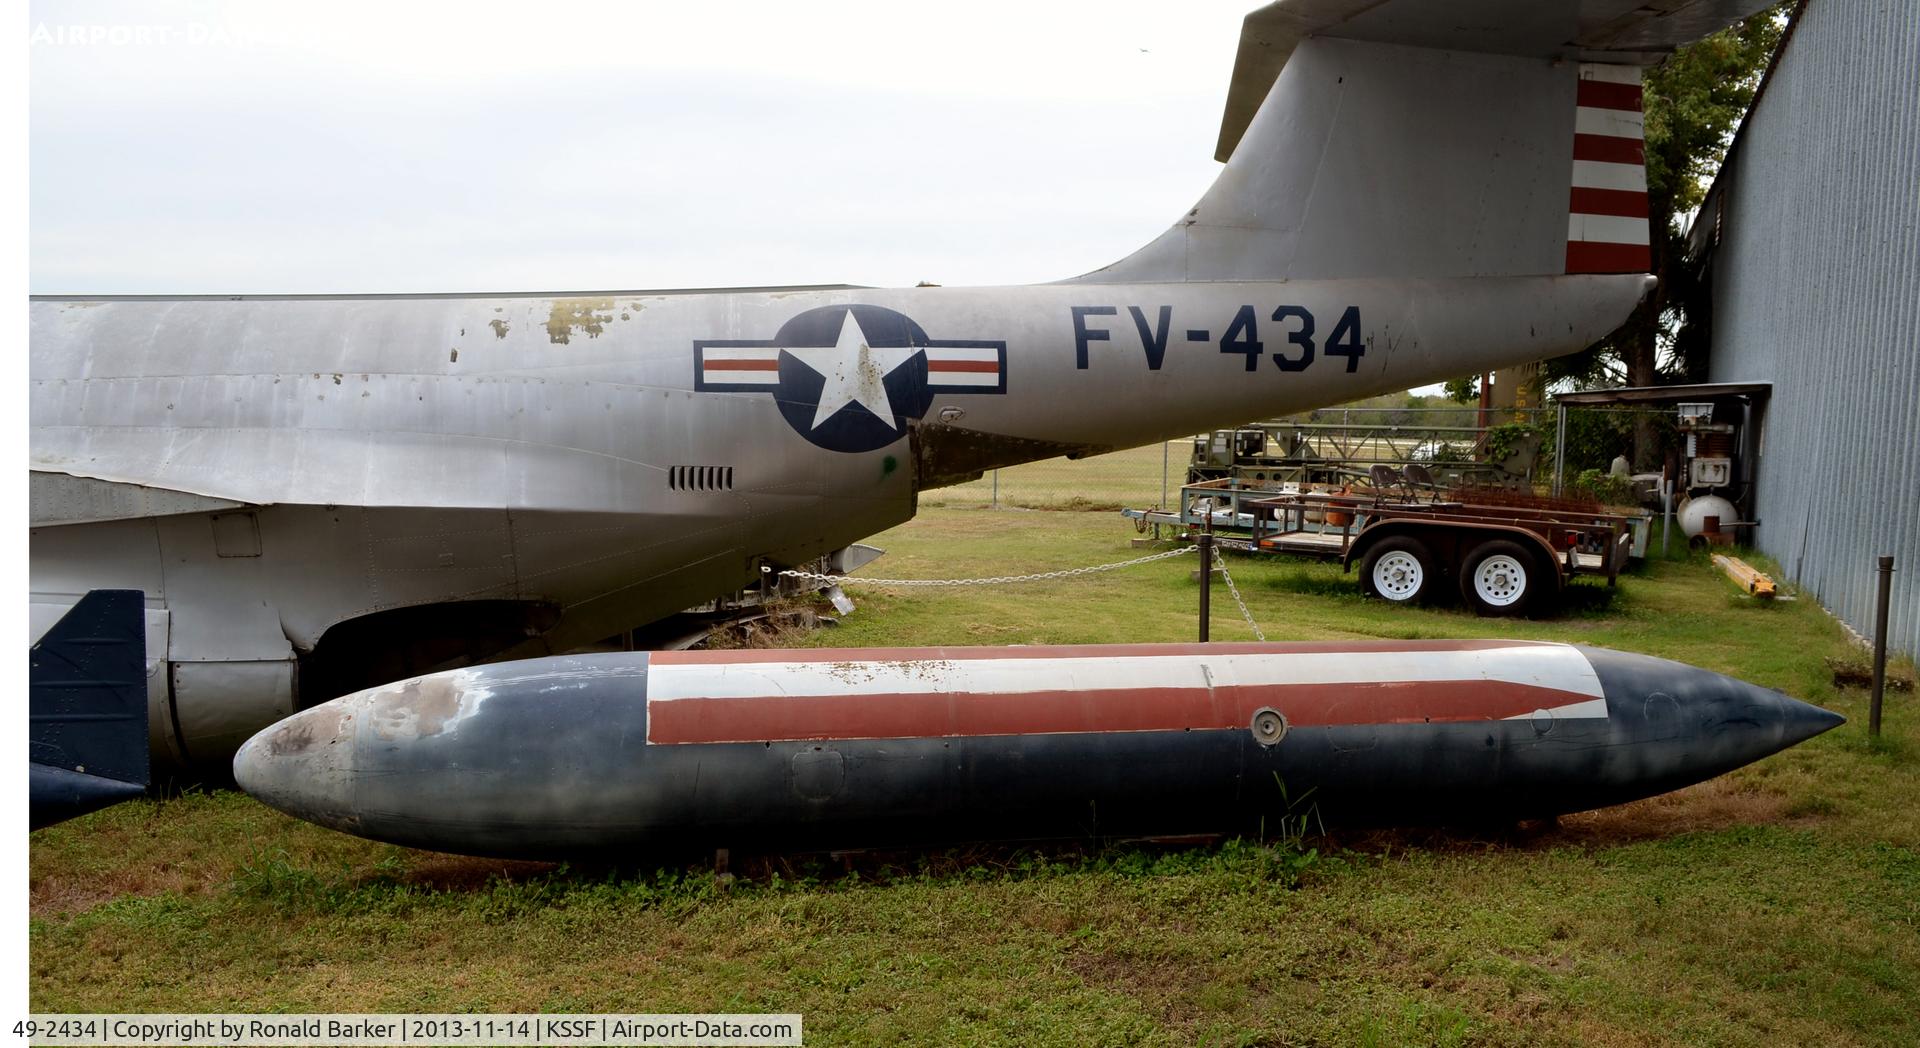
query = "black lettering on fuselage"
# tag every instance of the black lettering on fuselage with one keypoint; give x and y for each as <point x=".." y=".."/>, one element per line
<point x="1152" y="341"/>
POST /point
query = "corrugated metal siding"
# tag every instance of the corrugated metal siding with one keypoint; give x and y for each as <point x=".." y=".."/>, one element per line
<point x="1817" y="290"/>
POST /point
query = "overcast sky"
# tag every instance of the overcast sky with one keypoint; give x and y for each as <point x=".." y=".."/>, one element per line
<point x="367" y="147"/>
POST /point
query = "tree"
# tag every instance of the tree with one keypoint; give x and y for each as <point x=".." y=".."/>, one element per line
<point x="1694" y="101"/>
<point x="1463" y="390"/>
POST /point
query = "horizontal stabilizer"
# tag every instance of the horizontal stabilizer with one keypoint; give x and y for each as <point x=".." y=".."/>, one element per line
<point x="1614" y="32"/>
<point x="58" y="794"/>
<point x="87" y="708"/>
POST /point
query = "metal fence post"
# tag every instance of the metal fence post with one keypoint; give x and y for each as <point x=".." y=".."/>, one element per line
<point x="1164" y="458"/>
<point x="1666" y="515"/>
<point x="996" y="489"/>
<point x="1206" y="581"/>
<point x="1560" y="452"/>
<point x="1879" y="645"/>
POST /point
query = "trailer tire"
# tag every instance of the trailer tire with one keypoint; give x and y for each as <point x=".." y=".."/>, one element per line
<point x="1502" y="578"/>
<point x="1400" y="570"/>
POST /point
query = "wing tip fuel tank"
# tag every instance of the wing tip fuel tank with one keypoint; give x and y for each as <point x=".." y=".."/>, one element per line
<point x="812" y="749"/>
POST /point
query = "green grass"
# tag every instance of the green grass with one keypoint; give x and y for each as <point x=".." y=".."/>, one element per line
<point x="1122" y="479"/>
<point x="1778" y="904"/>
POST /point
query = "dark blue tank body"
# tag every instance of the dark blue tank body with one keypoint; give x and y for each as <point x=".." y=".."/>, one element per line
<point x="551" y="757"/>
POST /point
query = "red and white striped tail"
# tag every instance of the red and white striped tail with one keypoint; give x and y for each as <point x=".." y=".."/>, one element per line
<point x="1607" y="214"/>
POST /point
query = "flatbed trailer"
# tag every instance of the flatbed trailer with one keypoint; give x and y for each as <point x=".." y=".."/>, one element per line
<point x="1505" y="559"/>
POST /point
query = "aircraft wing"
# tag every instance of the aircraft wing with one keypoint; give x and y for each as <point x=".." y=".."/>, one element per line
<point x="1618" y="32"/>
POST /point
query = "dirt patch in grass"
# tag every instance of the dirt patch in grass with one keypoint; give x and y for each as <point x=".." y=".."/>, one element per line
<point x="50" y="895"/>
<point x="1166" y="985"/>
<point x="1716" y="804"/>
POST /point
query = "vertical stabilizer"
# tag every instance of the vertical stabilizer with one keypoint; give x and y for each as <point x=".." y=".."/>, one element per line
<point x="1377" y="159"/>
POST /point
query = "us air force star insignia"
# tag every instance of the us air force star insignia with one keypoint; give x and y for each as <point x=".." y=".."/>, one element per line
<point x="856" y="373"/>
<point x="847" y="378"/>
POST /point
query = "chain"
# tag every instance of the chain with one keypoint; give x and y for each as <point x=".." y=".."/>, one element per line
<point x="1235" y="590"/>
<point x="998" y="580"/>
<point x="1066" y="573"/>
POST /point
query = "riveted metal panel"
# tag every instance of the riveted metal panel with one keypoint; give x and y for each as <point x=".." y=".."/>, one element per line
<point x="1817" y="290"/>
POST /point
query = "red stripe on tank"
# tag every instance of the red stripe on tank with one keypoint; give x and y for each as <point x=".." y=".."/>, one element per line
<point x="790" y="718"/>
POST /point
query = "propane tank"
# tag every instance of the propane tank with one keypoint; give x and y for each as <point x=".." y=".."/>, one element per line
<point x="1695" y="511"/>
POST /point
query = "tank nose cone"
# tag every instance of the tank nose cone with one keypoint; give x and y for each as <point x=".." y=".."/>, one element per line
<point x="1800" y="721"/>
<point x="304" y="766"/>
<point x="1767" y="721"/>
<point x="1756" y="722"/>
<point x="1693" y="723"/>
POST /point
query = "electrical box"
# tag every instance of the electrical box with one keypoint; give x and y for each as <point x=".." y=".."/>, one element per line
<point x="1694" y="414"/>
<point x="1712" y="472"/>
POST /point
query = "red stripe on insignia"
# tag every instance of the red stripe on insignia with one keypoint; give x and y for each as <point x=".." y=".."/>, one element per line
<point x="981" y="366"/>
<point x="1605" y="94"/>
<point x="792" y="718"/>
<point x="1591" y="256"/>
<point x="1073" y="651"/>
<point x="1625" y="203"/>
<point x="740" y="365"/>
<point x="1609" y="149"/>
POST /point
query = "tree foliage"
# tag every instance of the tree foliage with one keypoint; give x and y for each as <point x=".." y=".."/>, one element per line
<point x="1463" y="390"/>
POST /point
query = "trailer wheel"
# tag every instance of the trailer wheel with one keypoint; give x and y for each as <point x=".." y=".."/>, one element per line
<point x="1501" y="578"/>
<point x="1398" y="569"/>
